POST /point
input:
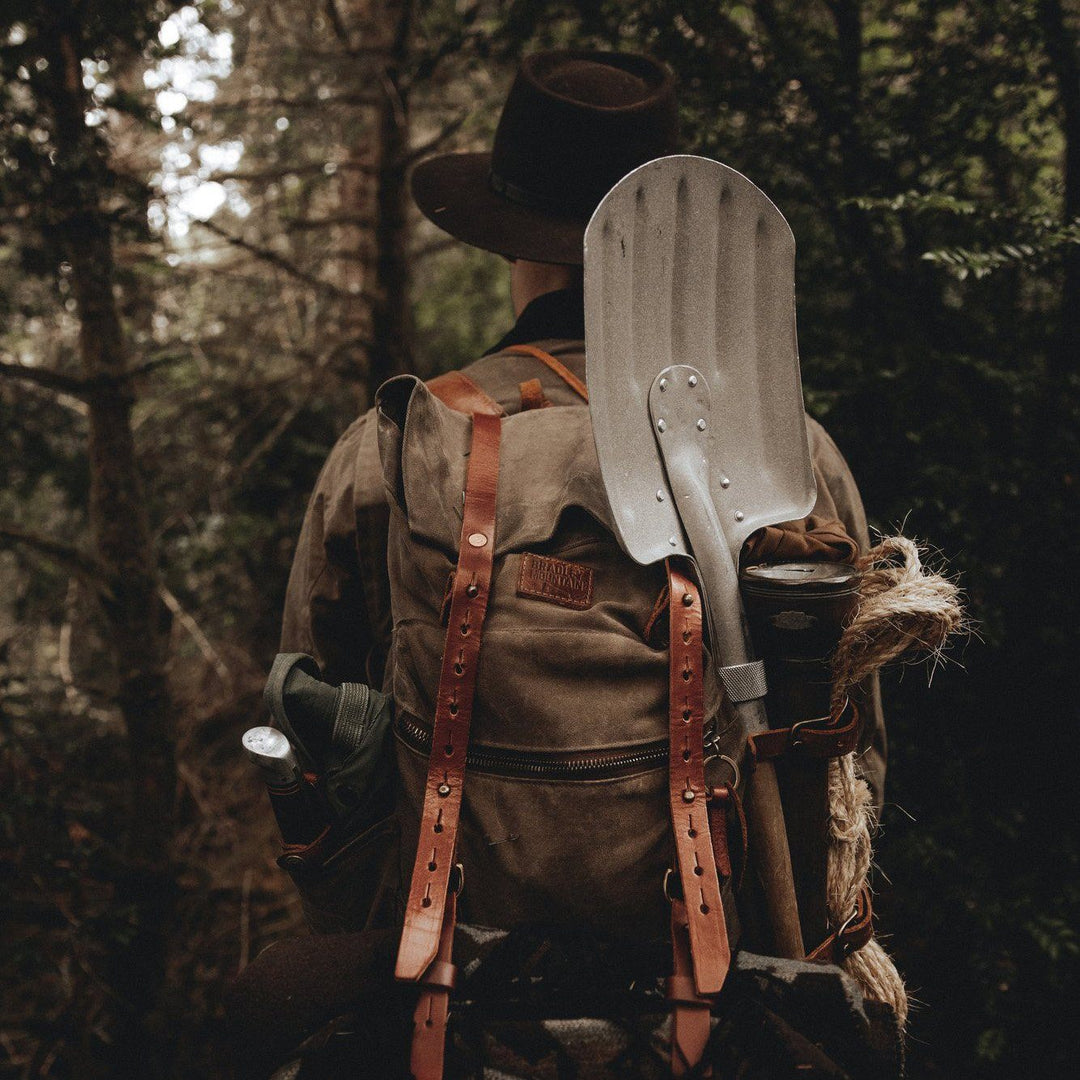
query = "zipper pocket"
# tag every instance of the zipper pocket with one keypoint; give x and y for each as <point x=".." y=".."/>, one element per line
<point x="572" y="765"/>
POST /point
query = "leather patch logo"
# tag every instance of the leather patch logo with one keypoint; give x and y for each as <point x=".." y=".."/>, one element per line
<point x="556" y="581"/>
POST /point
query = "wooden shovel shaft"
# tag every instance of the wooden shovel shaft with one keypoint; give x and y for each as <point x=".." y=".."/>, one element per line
<point x="772" y="860"/>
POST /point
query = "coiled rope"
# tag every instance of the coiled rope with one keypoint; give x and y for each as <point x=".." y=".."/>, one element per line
<point x="904" y="610"/>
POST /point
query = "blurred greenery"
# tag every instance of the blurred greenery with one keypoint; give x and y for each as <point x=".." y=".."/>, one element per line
<point x="921" y="152"/>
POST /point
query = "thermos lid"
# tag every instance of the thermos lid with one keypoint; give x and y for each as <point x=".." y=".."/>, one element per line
<point x="809" y="578"/>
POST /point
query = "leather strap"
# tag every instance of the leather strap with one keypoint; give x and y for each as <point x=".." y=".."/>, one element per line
<point x="425" y="907"/>
<point x="690" y="1012"/>
<point x="726" y="817"/>
<point x="532" y="395"/>
<point x="688" y="794"/>
<point x="433" y="1007"/>
<point x="456" y="390"/>
<point x="821" y="738"/>
<point x="554" y="365"/>
<point x="851" y="936"/>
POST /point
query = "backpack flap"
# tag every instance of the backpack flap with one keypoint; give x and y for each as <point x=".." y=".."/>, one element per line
<point x="548" y="466"/>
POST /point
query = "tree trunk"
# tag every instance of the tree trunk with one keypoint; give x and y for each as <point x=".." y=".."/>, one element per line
<point x="121" y="537"/>
<point x="1064" y="58"/>
<point x="391" y="351"/>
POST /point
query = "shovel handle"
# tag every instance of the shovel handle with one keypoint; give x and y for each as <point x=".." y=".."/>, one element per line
<point x="768" y="837"/>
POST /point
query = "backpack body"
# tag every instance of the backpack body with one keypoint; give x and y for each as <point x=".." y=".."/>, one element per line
<point x="566" y="818"/>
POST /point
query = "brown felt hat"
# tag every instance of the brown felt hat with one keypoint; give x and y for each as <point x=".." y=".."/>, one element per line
<point x="574" y="124"/>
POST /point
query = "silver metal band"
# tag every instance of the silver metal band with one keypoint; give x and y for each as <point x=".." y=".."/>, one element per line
<point x="744" y="682"/>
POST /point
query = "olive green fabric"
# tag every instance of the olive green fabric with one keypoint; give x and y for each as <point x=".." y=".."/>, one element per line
<point x="551" y="677"/>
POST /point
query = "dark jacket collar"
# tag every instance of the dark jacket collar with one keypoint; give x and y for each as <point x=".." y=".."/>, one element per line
<point x="559" y="314"/>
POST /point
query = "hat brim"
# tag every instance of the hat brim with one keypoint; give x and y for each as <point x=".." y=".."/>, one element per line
<point x="453" y="191"/>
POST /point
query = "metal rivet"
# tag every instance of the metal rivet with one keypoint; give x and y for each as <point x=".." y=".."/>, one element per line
<point x="471" y="590"/>
<point x="672" y="541"/>
<point x="725" y="482"/>
<point x="739" y="515"/>
<point x="477" y="539"/>
<point x="687" y="599"/>
<point x="701" y="425"/>
<point x="661" y="425"/>
<point x="660" y="496"/>
<point x="663" y="385"/>
<point x="693" y="380"/>
<point x="688" y="795"/>
<point x="444" y="790"/>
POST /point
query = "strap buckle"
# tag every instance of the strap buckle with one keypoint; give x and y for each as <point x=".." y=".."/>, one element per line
<point x="795" y="740"/>
<point x="672" y="886"/>
<point x="457" y="879"/>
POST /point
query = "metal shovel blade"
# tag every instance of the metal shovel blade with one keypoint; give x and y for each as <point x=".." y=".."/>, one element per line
<point x="687" y="262"/>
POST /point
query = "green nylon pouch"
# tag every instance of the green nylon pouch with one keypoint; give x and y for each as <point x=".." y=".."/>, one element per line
<point x="339" y="733"/>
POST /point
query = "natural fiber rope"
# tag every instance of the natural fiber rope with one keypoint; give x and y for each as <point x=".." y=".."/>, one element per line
<point x="903" y="608"/>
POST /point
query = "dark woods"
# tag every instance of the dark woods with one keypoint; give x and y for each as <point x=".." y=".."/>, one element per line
<point x="209" y="261"/>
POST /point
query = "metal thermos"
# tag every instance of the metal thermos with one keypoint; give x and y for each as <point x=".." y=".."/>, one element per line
<point x="797" y="612"/>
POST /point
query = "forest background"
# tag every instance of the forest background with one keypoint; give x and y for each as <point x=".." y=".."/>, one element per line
<point x="209" y="261"/>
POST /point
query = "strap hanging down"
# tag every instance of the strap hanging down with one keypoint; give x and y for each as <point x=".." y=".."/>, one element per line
<point x="691" y="1018"/>
<point x="428" y="930"/>
<point x="689" y="814"/>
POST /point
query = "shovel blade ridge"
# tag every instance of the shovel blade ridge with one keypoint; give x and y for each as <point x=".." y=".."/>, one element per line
<point x="687" y="262"/>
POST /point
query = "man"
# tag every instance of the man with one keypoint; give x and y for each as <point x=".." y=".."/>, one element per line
<point x="573" y="125"/>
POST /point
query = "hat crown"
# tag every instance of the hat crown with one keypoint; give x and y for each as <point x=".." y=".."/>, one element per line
<point x="592" y="83"/>
<point x="575" y="123"/>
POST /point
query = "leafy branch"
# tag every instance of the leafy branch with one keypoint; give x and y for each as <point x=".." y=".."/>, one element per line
<point x="1044" y="234"/>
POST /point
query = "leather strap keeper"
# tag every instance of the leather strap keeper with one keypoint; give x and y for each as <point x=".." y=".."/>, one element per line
<point x="850" y="937"/>
<point x="679" y="990"/>
<point x="821" y="739"/>
<point x="442" y="975"/>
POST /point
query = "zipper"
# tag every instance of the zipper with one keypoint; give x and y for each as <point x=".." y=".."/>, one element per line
<point x="574" y="765"/>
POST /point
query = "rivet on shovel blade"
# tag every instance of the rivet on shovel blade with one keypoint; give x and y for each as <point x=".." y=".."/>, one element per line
<point x="739" y="515"/>
<point x="693" y="380"/>
<point x="725" y="482"/>
<point x="701" y="425"/>
<point x="660" y="496"/>
<point x="672" y="541"/>
<point x="663" y="385"/>
<point x="661" y="425"/>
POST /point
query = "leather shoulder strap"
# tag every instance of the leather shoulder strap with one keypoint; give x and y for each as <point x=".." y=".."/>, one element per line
<point x="554" y="365"/>
<point x="689" y="814"/>
<point x="453" y="707"/>
<point x="456" y="390"/>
